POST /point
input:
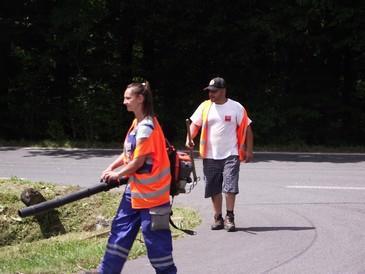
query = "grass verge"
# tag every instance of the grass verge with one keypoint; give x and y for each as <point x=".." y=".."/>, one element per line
<point x="30" y="246"/>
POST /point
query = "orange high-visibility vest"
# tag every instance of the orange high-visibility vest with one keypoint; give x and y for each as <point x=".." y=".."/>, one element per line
<point x="151" y="189"/>
<point x="241" y="131"/>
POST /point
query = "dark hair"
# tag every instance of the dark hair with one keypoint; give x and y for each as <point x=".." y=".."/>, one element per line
<point x="144" y="89"/>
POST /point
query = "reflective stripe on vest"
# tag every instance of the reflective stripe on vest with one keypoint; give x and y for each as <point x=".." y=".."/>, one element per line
<point x="204" y="134"/>
<point x="241" y="135"/>
<point x="150" y="180"/>
<point x="151" y="194"/>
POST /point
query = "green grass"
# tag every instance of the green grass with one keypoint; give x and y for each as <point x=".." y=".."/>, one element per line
<point x="69" y="253"/>
<point x="25" y="249"/>
<point x="55" y="255"/>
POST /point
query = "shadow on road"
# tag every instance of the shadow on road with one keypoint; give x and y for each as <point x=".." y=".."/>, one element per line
<point x="74" y="153"/>
<point x="273" y="228"/>
<point x="8" y="148"/>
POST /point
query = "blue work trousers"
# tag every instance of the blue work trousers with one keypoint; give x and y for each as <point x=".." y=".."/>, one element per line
<point x="125" y="227"/>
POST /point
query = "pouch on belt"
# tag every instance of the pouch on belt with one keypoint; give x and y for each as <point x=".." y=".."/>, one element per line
<point x="160" y="217"/>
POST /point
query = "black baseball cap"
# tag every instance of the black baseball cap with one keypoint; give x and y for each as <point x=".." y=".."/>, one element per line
<point x="216" y="83"/>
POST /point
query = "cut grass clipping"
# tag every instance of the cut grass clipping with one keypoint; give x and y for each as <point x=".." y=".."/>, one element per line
<point x="72" y="238"/>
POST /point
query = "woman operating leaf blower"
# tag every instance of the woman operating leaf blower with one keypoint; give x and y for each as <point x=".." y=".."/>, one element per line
<point x="146" y="200"/>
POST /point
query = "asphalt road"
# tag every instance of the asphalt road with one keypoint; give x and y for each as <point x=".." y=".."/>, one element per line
<point x="296" y="212"/>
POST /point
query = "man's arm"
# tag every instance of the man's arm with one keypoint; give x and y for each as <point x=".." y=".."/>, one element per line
<point x="194" y="129"/>
<point x="249" y="145"/>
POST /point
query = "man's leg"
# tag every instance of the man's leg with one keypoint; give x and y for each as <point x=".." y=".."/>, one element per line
<point x="217" y="207"/>
<point x="230" y="201"/>
<point x="217" y="204"/>
<point x="213" y="188"/>
<point x="230" y="188"/>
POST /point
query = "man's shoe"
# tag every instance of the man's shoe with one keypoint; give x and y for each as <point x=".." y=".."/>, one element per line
<point x="229" y="223"/>
<point x="218" y="223"/>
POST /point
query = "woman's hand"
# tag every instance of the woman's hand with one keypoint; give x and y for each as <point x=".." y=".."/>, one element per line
<point x="117" y="163"/>
<point x="104" y="173"/>
<point x="110" y="176"/>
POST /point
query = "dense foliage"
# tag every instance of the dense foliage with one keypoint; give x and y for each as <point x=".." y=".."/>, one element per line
<point x="297" y="66"/>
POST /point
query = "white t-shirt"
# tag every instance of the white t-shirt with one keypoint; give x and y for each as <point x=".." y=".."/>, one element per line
<point x="223" y="121"/>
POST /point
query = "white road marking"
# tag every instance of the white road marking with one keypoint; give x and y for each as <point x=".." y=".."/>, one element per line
<point x="329" y="187"/>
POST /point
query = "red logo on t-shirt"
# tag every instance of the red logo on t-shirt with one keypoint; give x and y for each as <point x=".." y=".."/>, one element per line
<point x="227" y="118"/>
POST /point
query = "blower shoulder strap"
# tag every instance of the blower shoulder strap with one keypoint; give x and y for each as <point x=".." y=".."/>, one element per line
<point x="187" y="231"/>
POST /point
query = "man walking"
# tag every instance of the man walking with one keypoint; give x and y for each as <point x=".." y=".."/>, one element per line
<point x="226" y="138"/>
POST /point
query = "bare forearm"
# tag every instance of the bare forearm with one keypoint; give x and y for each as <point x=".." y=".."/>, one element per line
<point x="194" y="130"/>
<point x="126" y="170"/>
<point x="131" y="167"/>
<point x="249" y="139"/>
<point x="117" y="163"/>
